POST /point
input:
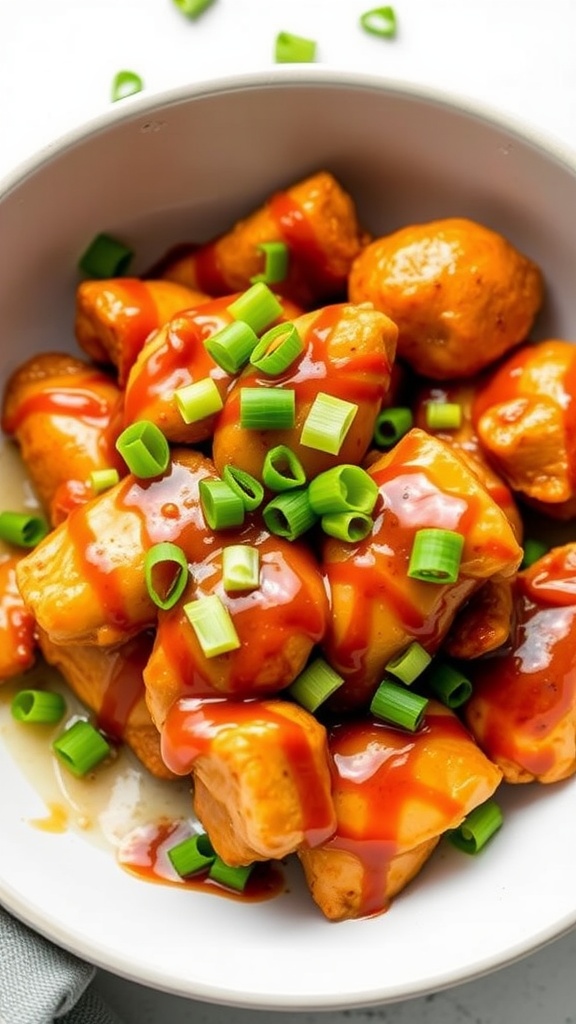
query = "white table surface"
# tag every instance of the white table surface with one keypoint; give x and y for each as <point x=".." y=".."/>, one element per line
<point x="57" y="59"/>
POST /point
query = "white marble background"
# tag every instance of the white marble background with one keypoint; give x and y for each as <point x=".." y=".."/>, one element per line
<point x="57" y="59"/>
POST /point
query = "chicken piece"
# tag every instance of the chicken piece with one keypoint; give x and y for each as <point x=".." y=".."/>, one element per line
<point x="522" y="711"/>
<point x="377" y="609"/>
<point x="526" y="422"/>
<point x="466" y="442"/>
<point x="348" y="353"/>
<point x="65" y="416"/>
<point x="484" y="623"/>
<point x="277" y="625"/>
<point x="395" y="794"/>
<point x="115" y="317"/>
<point x="174" y="357"/>
<point x="85" y="584"/>
<point x="17" y="634"/>
<point x="110" y="683"/>
<point x="316" y="220"/>
<point x="261" y="774"/>
<point x="460" y="294"/>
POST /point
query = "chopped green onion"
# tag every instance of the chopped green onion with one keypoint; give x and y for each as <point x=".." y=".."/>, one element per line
<point x="125" y="83"/>
<point x="40" y="707"/>
<point x="258" y="307"/>
<point x="232" y="878"/>
<point x="165" y="573"/>
<point x="276" y="263"/>
<point x="144" y="449"/>
<point x="314" y="685"/>
<point x="443" y="415"/>
<point x="231" y="347"/>
<point x="223" y="508"/>
<point x="291" y="49"/>
<point x="449" y="685"/>
<point x="344" y="488"/>
<point x="391" y="424"/>
<point x="240" y="567"/>
<point x="193" y="8"/>
<point x="327" y="423"/>
<point x="477" y="828"/>
<point x="81" y="747"/>
<point x="267" y="408"/>
<point x="198" y="400"/>
<point x="103" y="479"/>
<point x="289" y="514"/>
<point x="408" y="665"/>
<point x="380" y="21"/>
<point x="192" y="855"/>
<point x="245" y="486"/>
<point x="399" y="706"/>
<point x="348" y="526"/>
<point x="213" y="625"/>
<point x="22" y="529"/>
<point x="436" y="556"/>
<point x="277" y="349"/>
<point x="105" y="257"/>
<point x="533" y="550"/>
<point x="282" y="469"/>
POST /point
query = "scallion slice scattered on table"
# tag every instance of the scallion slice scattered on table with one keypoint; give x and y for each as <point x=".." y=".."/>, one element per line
<point x="126" y="83"/>
<point x="293" y="49"/>
<point x="193" y="8"/>
<point x="38" y="707"/>
<point x="380" y="21"/>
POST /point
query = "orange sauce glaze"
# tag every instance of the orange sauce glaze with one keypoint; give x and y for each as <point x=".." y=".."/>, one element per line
<point x="135" y="316"/>
<point x="553" y="364"/>
<point x="358" y="377"/>
<point x="124" y="685"/>
<point x="83" y="402"/>
<point x="290" y="600"/>
<point x="168" y="508"/>
<point x="193" y="725"/>
<point x="180" y="359"/>
<point x="16" y="622"/>
<point x="295" y="229"/>
<point x="528" y="690"/>
<point x="145" y="854"/>
<point x="373" y="770"/>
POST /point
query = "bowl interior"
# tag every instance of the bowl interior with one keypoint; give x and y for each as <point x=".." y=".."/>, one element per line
<point x="181" y="168"/>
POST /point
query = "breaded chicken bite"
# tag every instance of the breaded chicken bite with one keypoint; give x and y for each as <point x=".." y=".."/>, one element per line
<point x="395" y="794"/>
<point x="522" y="711"/>
<point x="175" y="357"/>
<point x="316" y="220"/>
<point x="65" y="416"/>
<point x="277" y="624"/>
<point x="524" y="416"/>
<point x="261" y="775"/>
<point x="377" y="609"/>
<point x="459" y="292"/>
<point x="85" y="582"/>
<point x="348" y="352"/>
<point x="115" y="317"/>
<point x="17" y="627"/>
<point x="109" y="682"/>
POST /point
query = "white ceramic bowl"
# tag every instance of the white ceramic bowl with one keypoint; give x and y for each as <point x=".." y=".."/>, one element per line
<point x="184" y="165"/>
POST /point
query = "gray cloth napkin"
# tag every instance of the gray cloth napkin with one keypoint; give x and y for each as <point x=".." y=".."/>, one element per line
<point x="41" y="983"/>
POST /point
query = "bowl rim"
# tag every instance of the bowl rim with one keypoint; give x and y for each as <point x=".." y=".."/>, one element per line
<point x="289" y="76"/>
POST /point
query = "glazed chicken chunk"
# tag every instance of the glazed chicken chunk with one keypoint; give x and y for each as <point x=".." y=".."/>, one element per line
<point x="17" y="627"/>
<point x="522" y="711"/>
<point x="395" y="794"/>
<point x="315" y="219"/>
<point x="261" y="774"/>
<point x="459" y="292"/>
